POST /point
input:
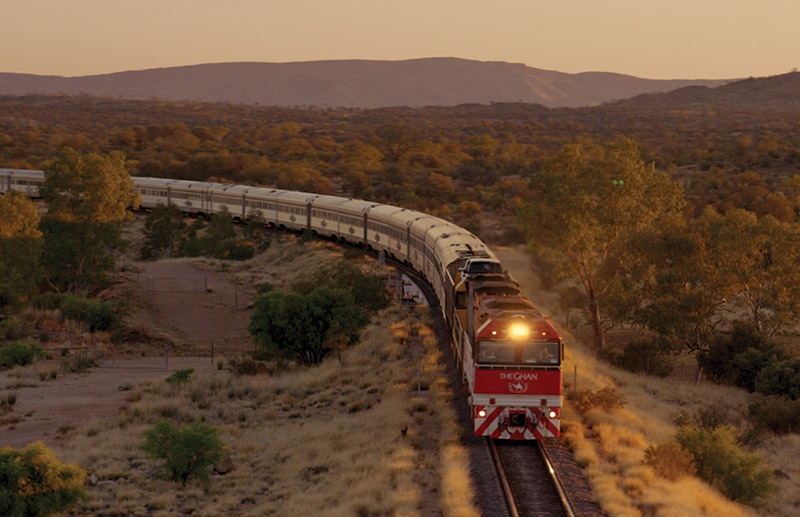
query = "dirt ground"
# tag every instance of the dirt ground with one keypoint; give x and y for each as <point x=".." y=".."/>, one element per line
<point x="183" y="316"/>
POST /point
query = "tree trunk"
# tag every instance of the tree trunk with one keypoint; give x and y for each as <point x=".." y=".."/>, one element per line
<point x="597" y="328"/>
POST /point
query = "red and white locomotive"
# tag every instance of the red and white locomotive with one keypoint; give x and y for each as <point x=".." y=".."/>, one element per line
<point x="510" y="354"/>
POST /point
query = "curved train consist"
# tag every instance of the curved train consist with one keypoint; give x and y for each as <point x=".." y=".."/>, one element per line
<point x="509" y="353"/>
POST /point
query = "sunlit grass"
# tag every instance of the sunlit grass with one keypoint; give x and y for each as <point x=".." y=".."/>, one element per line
<point x="370" y="433"/>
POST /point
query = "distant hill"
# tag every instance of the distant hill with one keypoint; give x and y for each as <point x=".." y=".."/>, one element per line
<point x="355" y="84"/>
<point x="775" y="93"/>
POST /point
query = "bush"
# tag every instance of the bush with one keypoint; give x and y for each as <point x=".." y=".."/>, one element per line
<point x="187" y="452"/>
<point x="19" y="354"/>
<point x="775" y="414"/>
<point x="670" y="460"/>
<point x="305" y="328"/>
<point x="180" y="376"/>
<point x="368" y="289"/>
<point x="721" y="462"/>
<point x="13" y="328"/>
<point x="247" y="366"/>
<point x="648" y="357"/>
<point x="740" y="357"/>
<point x="607" y="398"/>
<point x="34" y="482"/>
<point x="780" y="378"/>
<point x="234" y="249"/>
<point x="99" y="316"/>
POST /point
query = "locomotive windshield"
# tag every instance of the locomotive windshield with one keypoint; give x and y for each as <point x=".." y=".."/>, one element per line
<point x="529" y="353"/>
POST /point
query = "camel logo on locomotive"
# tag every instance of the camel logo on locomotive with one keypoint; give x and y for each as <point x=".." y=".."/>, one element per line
<point x="518" y="387"/>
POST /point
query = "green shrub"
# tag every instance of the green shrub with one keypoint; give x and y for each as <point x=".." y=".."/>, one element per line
<point x="180" y="376"/>
<point x="99" y="316"/>
<point x="34" y="482"/>
<point x="13" y="328"/>
<point x="187" y="452"/>
<point x="738" y="358"/>
<point x="648" y="357"/>
<point x="19" y="354"/>
<point x="775" y="414"/>
<point x="780" y="378"/>
<point x="721" y="462"/>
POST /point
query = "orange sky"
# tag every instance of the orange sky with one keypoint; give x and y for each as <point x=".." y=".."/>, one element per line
<point x="659" y="39"/>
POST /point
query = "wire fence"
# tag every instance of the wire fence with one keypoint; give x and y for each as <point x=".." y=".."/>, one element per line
<point x="167" y="284"/>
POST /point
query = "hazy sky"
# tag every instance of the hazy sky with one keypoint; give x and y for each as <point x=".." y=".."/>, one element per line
<point x="658" y="39"/>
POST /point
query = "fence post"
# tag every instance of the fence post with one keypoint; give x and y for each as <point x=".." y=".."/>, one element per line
<point x="575" y="378"/>
<point x="166" y="358"/>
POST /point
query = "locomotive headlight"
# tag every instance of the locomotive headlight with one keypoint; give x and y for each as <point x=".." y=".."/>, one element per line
<point x="519" y="330"/>
<point x="482" y="413"/>
<point x="551" y="414"/>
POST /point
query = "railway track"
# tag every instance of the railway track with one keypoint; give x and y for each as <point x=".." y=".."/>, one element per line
<point x="528" y="480"/>
<point x="528" y="495"/>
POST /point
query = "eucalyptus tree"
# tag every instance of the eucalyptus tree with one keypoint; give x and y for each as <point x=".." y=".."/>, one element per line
<point x="20" y="249"/>
<point x="585" y="208"/>
<point x="757" y="259"/>
<point x="87" y="198"/>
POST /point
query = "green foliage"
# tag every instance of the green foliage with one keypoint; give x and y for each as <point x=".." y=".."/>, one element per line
<point x="606" y="399"/>
<point x="775" y="414"/>
<point x="739" y="357"/>
<point x="78" y="256"/>
<point x="585" y="207"/>
<point x="13" y="327"/>
<point x="164" y="231"/>
<point x="305" y="327"/>
<point x="256" y="232"/>
<point x="368" y="289"/>
<point x="99" y="316"/>
<point x="220" y="227"/>
<point x="721" y="462"/>
<point x="756" y="258"/>
<point x="20" y="250"/>
<point x="187" y="452"/>
<point x="650" y="357"/>
<point x="91" y="188"/>
<point x="180" y="376"/>
<point x="34" y="482"/>
<point x="780" y="378"/>
<point x="87" y="201"/>
<point x="19" y="354"/>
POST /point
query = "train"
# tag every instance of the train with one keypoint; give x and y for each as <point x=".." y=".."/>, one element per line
<point x="509" y="353"/>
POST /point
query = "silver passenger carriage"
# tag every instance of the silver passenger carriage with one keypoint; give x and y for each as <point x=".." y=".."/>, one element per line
<point x="26" y="181"/>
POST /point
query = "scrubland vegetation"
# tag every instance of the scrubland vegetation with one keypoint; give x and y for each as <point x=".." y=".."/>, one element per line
<point x="670" y="251"/>
<point x="349" y="437"/>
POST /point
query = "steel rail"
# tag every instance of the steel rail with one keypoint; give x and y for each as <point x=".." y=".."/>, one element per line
<point x="501" y="475"/>
<point x="557" y="482"/>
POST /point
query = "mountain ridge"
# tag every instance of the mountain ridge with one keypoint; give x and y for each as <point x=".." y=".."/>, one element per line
<point x="355" y="84"/>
